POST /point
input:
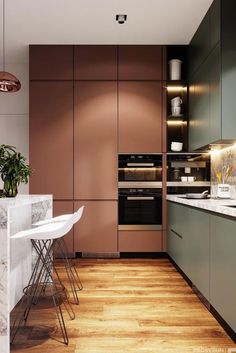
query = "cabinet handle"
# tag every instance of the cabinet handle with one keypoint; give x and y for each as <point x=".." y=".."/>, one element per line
<point x="178" y="235"/>
<point x="140" y="165"/>
<point x="145" y="198"/>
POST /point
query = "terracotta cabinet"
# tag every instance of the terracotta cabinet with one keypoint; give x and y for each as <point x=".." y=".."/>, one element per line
<point x="140" y="117"/>
<point x="140" y="62"/>
<point x="96" y="232"/>
<point x="60" y="208"/>
<point x="51" y="138"/>
<point x="95" y="62"/>
<point x="140" y="241"/>
<point x="51" y="62"/>
<point x="95" y="140"/>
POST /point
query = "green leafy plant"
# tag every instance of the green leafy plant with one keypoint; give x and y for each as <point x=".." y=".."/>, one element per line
<point x="13" y="170"/>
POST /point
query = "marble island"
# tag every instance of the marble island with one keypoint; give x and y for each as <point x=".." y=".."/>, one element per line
<point x="16" y="214"/>
<point x="222" y="206"/>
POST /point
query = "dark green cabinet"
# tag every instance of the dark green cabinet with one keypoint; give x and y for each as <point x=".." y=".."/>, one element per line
<point x="188" y="243"/>
<point x="228" y="44"/>
<point x="175" y="233"/>
<point x="205" y="38"/>
<point x="203" y="245"/>
<point x="199" y="45"/>
<point x="199" y="108"/>
<point x="205" y="102"/>
<point x="212" y="78"/>
<point x="223" y="265"/>
<point x="197" y="247"/>
<point x="214" y="19"/>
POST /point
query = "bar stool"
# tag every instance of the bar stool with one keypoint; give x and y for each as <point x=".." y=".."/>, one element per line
<point x="60" y="244"/>
<point x="44" y="274"/>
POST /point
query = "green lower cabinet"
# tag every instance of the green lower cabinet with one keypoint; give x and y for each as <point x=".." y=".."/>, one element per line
<point x="203" y="245"/>
<point x="188" y="243"/>
<point x="175" y="233"/>
<point x="197" y="248"/>
<point x="223" y="268"/>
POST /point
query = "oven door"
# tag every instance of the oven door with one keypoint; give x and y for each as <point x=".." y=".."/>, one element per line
<point x="140" y="210"/>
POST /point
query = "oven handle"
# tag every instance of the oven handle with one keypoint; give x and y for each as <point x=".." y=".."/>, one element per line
<point x="140" y="164"/>
<point x="140" y="198"/>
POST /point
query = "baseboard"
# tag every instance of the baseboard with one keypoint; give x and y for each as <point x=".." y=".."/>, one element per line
<point x="105" y="255"/>
<point x="143" y="255"/>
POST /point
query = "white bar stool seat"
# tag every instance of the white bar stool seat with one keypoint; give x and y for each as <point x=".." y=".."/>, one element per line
<point x="60" y="244"/>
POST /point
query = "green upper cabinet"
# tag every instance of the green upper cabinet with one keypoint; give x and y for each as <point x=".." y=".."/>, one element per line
<point x="205" y="102"/>
<point x="212" y="77"/>
<point x="205" y="38"/>
<point x="228" y="69"/>
<point x="214" y="19"/>
<point x="199" y="108"/>
<point x="200" y="45"/>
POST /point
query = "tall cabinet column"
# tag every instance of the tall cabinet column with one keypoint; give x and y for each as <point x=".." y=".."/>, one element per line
<point x="51" y="126"/>
<point x="95" y="148"/>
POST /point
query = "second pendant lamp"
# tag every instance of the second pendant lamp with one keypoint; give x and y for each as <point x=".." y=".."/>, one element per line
<point x="8" y="82"/>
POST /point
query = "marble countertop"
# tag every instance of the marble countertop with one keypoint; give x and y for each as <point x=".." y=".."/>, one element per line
<point x="22" y="200"/>
<point x="214" y="205"/>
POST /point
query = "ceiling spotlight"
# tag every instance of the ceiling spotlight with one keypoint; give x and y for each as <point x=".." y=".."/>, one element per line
<point x="121" y="19"/>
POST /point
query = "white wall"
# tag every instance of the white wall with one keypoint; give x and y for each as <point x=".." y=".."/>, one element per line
<point x="14" y="107"/>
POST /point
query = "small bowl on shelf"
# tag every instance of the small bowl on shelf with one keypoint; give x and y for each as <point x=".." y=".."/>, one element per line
<point x="176" y="146"/>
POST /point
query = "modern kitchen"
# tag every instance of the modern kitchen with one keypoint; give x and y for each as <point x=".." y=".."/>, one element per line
<point x="118" y="176"/>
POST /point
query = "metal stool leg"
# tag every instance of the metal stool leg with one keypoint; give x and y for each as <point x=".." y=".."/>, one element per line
<point x="72" y="274"/>
<point x="42" y="278"/>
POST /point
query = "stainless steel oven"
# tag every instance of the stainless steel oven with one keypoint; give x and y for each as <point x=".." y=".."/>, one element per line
<point x="140" y="209"/>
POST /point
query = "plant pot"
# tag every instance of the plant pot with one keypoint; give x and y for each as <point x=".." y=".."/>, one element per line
<point x="10" y="188"/>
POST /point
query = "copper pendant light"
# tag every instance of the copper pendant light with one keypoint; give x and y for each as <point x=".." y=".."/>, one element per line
<point x="8" y="82"/>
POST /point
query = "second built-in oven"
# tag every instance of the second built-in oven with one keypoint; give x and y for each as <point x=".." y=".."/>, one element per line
<point x="140" y="209"/>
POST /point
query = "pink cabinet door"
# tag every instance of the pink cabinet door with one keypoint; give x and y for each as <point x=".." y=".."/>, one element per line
<point x="140" y="117"/>
<point x="51" y="139"/>
<point x="95" y="140"/>
<point x="140" y="241"/>
<point x="51" y="62"/>
<point x="96" y="62"/>
<point x="96" y="232"/>
<point x="60" y="208"/>
<point x="140" y="62"/>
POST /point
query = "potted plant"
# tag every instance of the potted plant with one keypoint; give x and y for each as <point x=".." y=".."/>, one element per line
<point x="13" y="170"/>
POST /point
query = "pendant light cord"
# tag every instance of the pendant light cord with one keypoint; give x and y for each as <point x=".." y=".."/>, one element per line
<point x="3" y="34"/>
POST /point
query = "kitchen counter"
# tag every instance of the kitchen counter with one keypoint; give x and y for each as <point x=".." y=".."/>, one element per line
<point x="214" y="205"/>
<point x="16" y="256"/>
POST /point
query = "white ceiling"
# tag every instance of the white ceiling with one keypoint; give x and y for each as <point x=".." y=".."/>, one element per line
<point x="93" y="21"/>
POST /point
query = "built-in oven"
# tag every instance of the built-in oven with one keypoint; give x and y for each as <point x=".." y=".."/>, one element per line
<point x="140" y="209"/>
<point x="144" y="170"/>
<point x="140" y="191"/>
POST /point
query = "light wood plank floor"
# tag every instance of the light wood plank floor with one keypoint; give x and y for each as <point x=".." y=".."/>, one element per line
<point x="138" y="306"/>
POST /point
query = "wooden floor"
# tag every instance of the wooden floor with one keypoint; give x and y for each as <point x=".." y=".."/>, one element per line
<point x="128" y="306"/>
